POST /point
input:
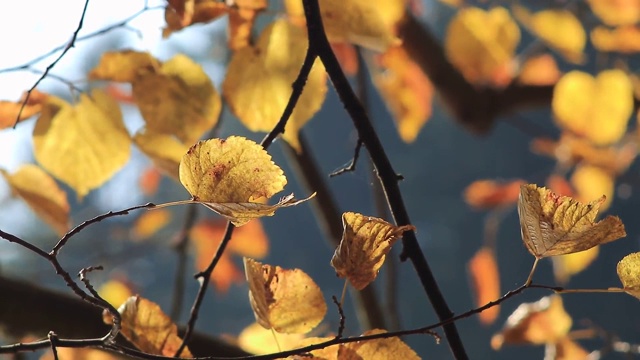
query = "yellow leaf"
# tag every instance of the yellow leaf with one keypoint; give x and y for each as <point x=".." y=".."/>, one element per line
<point x="147" y="327"/>
<point x="629" y="274"/>
<point x="542" y="322"/>
<point x="181" y="13"/>
<point x="539" y="70"/>
<point x="149" y="222"/>
<point x="558" y="225"/>
<point x="592" y="182"/>
<point x="483" y="269"/>
<point x="565" y="349"/>
<point x="123" y="66"/>
<point x="65" y="353"/>
<point x="288" y="301"/>
<point x="257" y="86"/>
<point x="42" y="194"/>
<point x="616" y="12"/>
<point x="406" y="90"/>
<point x="165" y="150"/>
<point x="260" y="341"/>
<point x="380" y="349"/>
<point x="9" y="110"/>
<point x="481" y="43"/>
<point x="327" y="353"/>
<point x="596" y="108"/>
<point x="565" y="266"/>
<point x="364" y="246"/>
<point x="560" y="29"/>
<point x="625" y="39"/>
<point x="115" y="292"/>
<point x="82" y="145"/>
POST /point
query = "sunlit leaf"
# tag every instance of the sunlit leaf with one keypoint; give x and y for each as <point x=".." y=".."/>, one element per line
<point x="115" y="292"/>
<point x="565" y="266"/>
<point x="9" y="110"/>
<point x="165" y="150"/>
<point x="629" y="273"/>
<point x="364" y="246"/>
<point x="565" y="349"/>
<point x="592" y="182"/>
<point x="42" y="194"/>
<point x="596" y="108"/>
<point x="65" y="353"/>
<point x="539" y="70"/>
<point x="177" y="99"/>
<point x="347" y="57"/>
<point x="558" y="225"/>
<point x="123" y="66"/>
<point x="150" y="222"/>
<point x="625" y="39"/>
<point x="327" y="353"/>
<point x="485" y="278"/>
<point x="614" y="13"/>
<point x="482" y="43"/>
<point x="257" y="86"/>
<point x="82" y="145"/>
<point x="558" y="28"/>
<point x="406" y="90"/>
<point x="146" y="326"/>
<point x="542" y="322"/>
<point x="489" y="194"/>
<point x="260" y="341"/>
<point x="381" y="349"/>
<point x="287" y="301"/>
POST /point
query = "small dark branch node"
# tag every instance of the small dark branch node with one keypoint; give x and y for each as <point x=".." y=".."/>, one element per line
<point x="352" y="164"/>
<point x="53" y="339"/>
<point x="342" y="317"/>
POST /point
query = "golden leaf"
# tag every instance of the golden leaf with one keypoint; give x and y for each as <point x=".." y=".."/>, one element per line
<point x="539" y="70"/>
<point x="327" y="353"/>
<point x="614" y="13"/>
<point x="565" y="349"/>
<point x="625" y="39"/>
<point x="489" y="194"/>
<point x="257" y="86"/>
<point x="146" y="326"/>
<point x="596" y="108"/>
<point x="115" y="292"/>
<point x="150" y="222"/>
<point x="260" y="341"/>
<point x="178" y="99"/>
<point x="9" y="110"/>
<point x="560" y="29"/>
<point x="165" y="150"/>
<point x="542" y="322"/>
<point x="481" y="43"/>
<point x="629" y="273"/>
<point x="557" y="225"/>
<point x="485" y="279"/>
<point x="364" y="246"/>
<point x="80" y="354"/>
<point x="406" y="90"/>
<point x="380" y="349"/>
<point x="591" y="182"/>
<point x="288" y="301"/>
<point x="123" y="66"/>
<point x="565" y="266"/>
<point x="42" y="194"/>
<point x="82" y="145"/>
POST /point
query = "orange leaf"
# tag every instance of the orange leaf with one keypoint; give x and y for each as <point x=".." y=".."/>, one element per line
<point x="542" y="322"/>
<point x="559" y="185"/>
<point x="149" y="181"/>
<point x="489" y="194"/>
<point x="539" y="70"/>
<point x="406" y="90"/>
<point x="616" y="12"/>
<point x="80" y="354"/>
<point x="485" y="278"/>
<point x="347" y="57"/>
<point x="9" y="110"/>
<point x="625" y="39"/>
<point x="150" y="222"/>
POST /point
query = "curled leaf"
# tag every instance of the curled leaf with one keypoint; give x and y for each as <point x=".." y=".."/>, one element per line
<point x="288" y="301"/>
<point x="364" y="246"/>
<point x="629" y="273"/>
<point x="558" y="225"/>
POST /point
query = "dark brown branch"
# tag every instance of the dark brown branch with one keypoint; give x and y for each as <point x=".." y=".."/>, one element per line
<point x="475" y="108"/>
<point x="385" y="171"/>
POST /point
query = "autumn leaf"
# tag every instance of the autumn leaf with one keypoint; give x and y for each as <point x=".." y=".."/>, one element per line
<point x="347" y="57"/>
<point x="9" y="110"/>
<point x="616" y="13"/>
<point x="542" y="322"/>
<point x="150" y="222"/>
<point x="326" y="353"/>
<point x="82" y="145"/>
<point x="115" y="292"/>
<point x="364" y="246"/>
<point x="629" y="273"/>
<point x="249" y="240"/>
<point x="624" y="39"/>
<point x="559" y="185"/>
<point x="255" y="339"/>
<point x="482" y="43"/>
<point x="485" y="278"/>
<point x="558" y="225"/>
<point x="147" y="327"/>
<point x="539" y="70"/>
<point x="66" y="353"/>
<point x="489" y="194"/>
<point x="149" y="181"/>
<point x="123" y="66"/>
<point x="406" y="90"/>
<point x="288" y="301"/>
<point x="380" y="349"/>
<point x="565" y="266"/>
<point x="560" y="29"/>
<point x="42" y="194"/>
<point x="257" y="86"/>
<point x="592" y="182"/>
<point x="565" y="349"/>
<point x="596" y="108"/>
<point x="165" y="150"/>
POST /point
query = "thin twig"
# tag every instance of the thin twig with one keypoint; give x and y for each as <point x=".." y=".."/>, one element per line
<point x="342" y="317"/>
<point x="180" y="248"/>
<point x="352" y="164"/>
<point x="386" y="174"/>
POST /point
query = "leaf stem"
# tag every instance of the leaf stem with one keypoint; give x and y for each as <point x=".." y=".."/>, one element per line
<point x="533" y="269"/>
